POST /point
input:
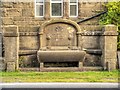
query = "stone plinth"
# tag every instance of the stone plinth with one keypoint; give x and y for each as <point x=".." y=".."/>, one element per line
<point x="11" y="44"/>
<point x="10" y="66"/>
<point x="109" y="57"/>
<point x="2" y="64"/>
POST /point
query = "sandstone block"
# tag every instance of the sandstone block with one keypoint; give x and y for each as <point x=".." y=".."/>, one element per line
<point x="96" y="5"/>
<point x="10" y="66"/>
<point x="91" y="42"/>
<point x="86" y="12"/>
<point x="31" y="45"/>
<point x="2" y="64"/>
<point x="110" y="54"/>
<point x="10" y="28"/>
<point x="28" y="29"/>
<point x="23" y="5"/>
<point x="11" y="12"/>
<point x="2" y="12"/>
<point x="7" y="20"/>
<point x="26" y="23"/>
<point x="6" y="4"/>
<point x="28" y="12"/>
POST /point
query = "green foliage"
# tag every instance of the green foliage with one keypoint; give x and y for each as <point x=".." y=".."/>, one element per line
<point x="112" y="16"/>
<point x="21" y="59"/>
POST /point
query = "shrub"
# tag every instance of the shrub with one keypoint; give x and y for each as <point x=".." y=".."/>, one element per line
<point x="112" y="17"/>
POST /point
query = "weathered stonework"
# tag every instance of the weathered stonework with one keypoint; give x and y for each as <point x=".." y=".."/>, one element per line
<point x="47" y="10"/>
<point x="109" y="57"/>
<point x="7" y="20"/>
<point x="11" y="45"/>
<point x="22" y="35"/>
<point x="11" y="66"/>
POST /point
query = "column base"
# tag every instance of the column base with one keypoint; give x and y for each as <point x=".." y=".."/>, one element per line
<point x="10" y="66"/>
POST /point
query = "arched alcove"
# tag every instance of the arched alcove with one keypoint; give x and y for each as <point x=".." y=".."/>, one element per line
<point x="59" y="34"/>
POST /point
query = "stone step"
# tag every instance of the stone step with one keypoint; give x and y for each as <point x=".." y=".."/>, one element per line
<point x="62" y="69"/>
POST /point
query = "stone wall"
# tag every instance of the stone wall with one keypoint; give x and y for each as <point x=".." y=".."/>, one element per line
<point x="109" y="47"/>
<point x="23" y="14"/>
<point x="11" y="46"/>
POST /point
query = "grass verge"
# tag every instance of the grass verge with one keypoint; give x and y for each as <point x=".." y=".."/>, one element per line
<point x="90" y="76"/>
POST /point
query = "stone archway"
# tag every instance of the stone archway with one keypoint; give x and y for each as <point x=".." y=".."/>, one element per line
<point x="63" y="33"/>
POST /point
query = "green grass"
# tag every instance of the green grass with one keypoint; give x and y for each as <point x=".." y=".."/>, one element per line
<point x="91" y="76"/>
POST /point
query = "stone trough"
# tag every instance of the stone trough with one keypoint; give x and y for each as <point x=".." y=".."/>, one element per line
<point x="61" y="56"/>
<point x="59" y="42"/>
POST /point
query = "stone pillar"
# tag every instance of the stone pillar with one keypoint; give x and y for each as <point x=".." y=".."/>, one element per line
<point x="47" y="9"/>
<point x="11" y="44"/>
<point x="79" y="8"/>
<point x="41" y="65"/>
<point x="109" y="47"/>
<point x="79" y="40"/>
<point x="40" y="40"/>
<point x="80" y="64"/>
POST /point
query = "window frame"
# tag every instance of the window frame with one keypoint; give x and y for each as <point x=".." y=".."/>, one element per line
<point x="43" y="3"/>
<point x="70" y="4"/>
<point x="51" y="8"/>
<point x="62" y="8"/>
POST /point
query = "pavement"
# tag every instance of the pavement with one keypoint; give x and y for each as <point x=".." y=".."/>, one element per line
<point x="60" y="85"/>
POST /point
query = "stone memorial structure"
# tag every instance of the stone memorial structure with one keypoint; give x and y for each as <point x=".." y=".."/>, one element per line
<point x="56" y="35"/>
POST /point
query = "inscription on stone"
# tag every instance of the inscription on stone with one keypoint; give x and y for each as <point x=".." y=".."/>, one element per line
<point x="60" y="35"/>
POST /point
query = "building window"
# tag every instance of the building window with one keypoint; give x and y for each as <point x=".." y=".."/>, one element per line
<point x="73" y="6"/>
<point x="56" y="8"/>
<point x="39" y="8"/>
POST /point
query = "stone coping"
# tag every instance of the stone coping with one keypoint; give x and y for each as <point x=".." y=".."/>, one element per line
<point x="94" y="51"/>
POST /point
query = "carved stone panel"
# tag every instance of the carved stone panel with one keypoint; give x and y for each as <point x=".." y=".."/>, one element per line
<point x="59" y="35"/>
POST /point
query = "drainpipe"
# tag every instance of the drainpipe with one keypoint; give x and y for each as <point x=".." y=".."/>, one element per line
<point x="91" y="17"/>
